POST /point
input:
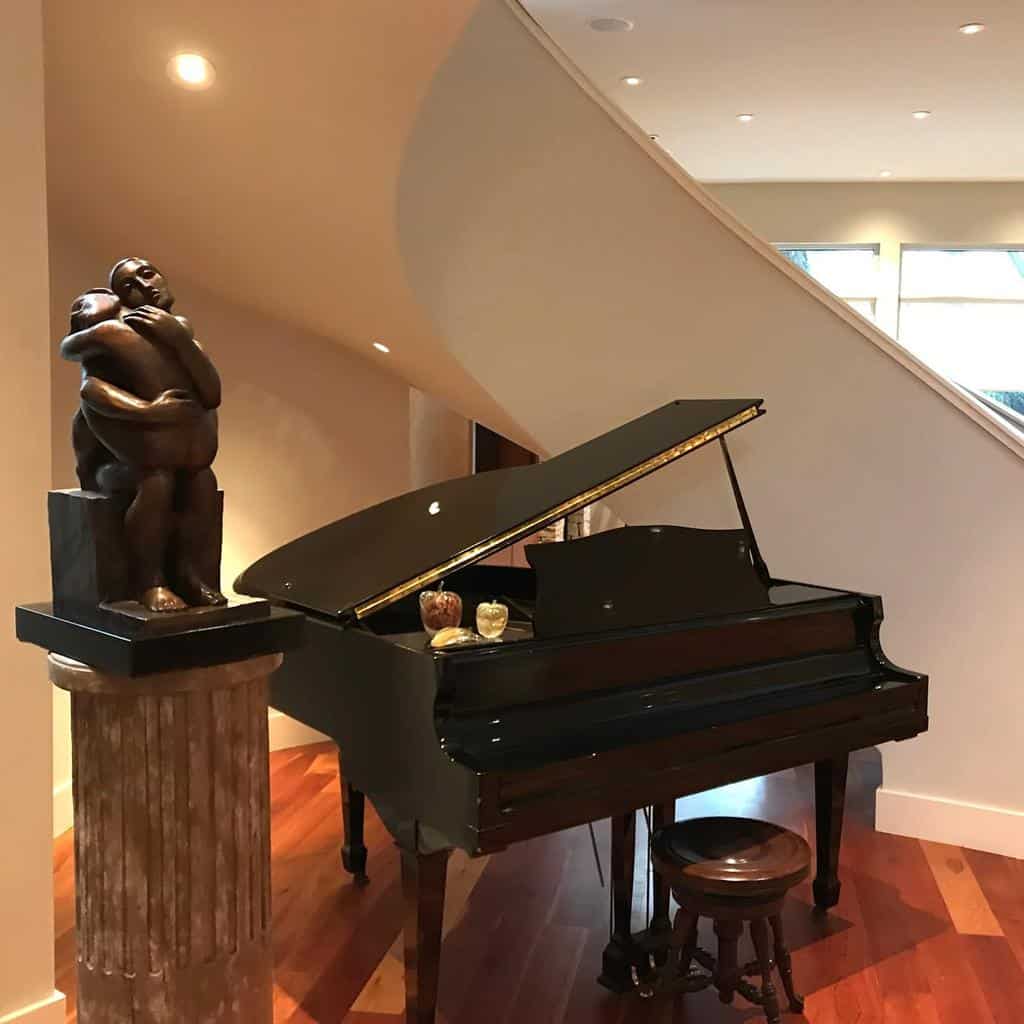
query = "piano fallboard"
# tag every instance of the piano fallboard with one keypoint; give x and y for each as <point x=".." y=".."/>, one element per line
<point x="520" y="805"/>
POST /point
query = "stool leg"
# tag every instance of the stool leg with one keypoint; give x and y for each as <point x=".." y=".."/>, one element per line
<point x="763" y="945"/>
<point x="727" y="973"/>
<point x="785" y="962"/>
<point x="684" y="938"/>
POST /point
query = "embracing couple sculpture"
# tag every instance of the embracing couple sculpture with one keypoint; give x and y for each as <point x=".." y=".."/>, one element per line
<point x="146" y="431"/>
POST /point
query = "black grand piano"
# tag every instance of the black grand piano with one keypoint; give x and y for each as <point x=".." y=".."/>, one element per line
<point x="642" y="664"/>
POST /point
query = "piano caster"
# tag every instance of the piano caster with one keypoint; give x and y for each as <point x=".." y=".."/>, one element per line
<point x="354" y="862"/>
<point x="826" y="894"/>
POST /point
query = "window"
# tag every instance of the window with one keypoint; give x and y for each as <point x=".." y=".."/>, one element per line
<point x="962" y="313"/>
<point x="851" y="272"/>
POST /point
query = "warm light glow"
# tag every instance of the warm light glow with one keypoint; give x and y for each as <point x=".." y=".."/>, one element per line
<point x="381" y="347"/>
<point x="972" y="28"/>
<point x="745" y="118"/>
<point x="632" y="80"/>
<point x="885" y="174"/>
<point x="921" y="115"/>
<point x="191" y="71"/>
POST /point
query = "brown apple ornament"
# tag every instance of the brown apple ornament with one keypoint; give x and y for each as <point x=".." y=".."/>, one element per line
<point x="440" y="608"/>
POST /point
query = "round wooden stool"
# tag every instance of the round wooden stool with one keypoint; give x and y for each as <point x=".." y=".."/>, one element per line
<point x="731" y="870"/>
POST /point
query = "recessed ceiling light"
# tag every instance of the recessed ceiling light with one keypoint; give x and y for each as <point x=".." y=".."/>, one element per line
<point x="745" y="118"/>
<point x="611" y="24"/>
<point x="885" y="174"/>
<point x="654" y="138"/>
<point x="381" y="347"/>
<point x="191" y="71"/>
<point x="972" y="28"/>
<point x="921" y="115"/>
<point x="632" y="80"/>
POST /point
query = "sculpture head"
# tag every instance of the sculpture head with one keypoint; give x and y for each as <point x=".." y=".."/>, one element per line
<point x="138" y="283"/>
<point x="93" y="307"/>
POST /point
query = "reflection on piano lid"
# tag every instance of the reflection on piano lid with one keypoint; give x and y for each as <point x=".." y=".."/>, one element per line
<point x="386" y="552"/>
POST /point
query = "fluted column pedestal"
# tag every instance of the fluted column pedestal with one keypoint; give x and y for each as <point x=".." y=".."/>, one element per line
<point x="172" y="844"/>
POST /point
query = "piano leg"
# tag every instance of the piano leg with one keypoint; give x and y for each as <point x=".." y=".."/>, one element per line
<point x="830" y="802"/>
<point x="661" y="922"/>
<point x="353" y="811"/>
<point x="424" y="876"/>
<point x="621" y="953"/>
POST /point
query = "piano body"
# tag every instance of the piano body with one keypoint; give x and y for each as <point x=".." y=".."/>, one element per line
<point x="641" y="665"/>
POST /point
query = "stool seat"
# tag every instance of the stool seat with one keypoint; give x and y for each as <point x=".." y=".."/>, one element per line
<point x="732" y="857"/>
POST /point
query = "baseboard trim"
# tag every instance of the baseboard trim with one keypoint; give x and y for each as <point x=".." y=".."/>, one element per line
<point x="975" y="826"/>
<point x="286" y="732"/>
<point x="63" y="808"/>
<point x="47" y="1011"/>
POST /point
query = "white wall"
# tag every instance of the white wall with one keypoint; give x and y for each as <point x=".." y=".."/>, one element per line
<point x="26" y="886"/>
<point x="605" y="283"/>
<point x="887" y="214"/>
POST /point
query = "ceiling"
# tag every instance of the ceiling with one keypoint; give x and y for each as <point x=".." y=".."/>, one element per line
<point x="276" y="188"/>
<point x="832" y="84"/>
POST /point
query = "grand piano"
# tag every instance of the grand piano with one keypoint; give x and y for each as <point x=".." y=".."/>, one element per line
<point x="641" y="664"/>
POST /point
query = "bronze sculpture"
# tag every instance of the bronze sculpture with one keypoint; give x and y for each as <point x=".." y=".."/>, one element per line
<point x="146" y="432"/>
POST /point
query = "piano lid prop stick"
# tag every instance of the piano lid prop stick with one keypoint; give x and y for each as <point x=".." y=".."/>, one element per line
<point x="755" y="551"/>
<point x="597" y="855"/>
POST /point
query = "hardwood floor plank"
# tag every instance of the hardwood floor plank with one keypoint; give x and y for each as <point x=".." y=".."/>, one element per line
<point x="968" y="908"/>
<point x="915" y="939"/>
<point x="1002" y="881"/>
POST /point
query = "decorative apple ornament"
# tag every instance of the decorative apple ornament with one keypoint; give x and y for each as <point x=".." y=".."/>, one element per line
<point x="491" y="619"/>
<point x="439" y="608"/>
<point x="453" y="636"/>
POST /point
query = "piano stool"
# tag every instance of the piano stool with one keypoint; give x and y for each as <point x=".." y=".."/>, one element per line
<point x="733" y="870"/>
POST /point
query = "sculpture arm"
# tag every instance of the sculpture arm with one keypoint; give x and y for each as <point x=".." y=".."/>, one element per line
<point x="202" y="371"/>
<point x="176" y="333"/>
<point x="91" y="340"/>
<point x="109" y="400"/>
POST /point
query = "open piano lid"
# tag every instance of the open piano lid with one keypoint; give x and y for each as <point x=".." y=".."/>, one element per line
<point x="366" y="561"/>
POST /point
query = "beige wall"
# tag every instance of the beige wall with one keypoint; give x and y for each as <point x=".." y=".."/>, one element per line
<point x="605" y="283"/>
<point x="26" y="901"/>
<point x="439" y="441"/>
<point x="309" y="433"/>
<point x="886" y="214"/>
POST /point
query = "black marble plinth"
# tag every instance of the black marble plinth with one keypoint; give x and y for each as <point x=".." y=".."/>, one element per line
<point x="134" y="645"/>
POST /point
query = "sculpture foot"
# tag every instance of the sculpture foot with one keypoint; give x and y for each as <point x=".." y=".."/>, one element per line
<point x="199" y="593"/>
<point x="162" y="599"/>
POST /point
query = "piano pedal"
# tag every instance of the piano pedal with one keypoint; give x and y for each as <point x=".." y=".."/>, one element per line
<point x="645" y="987"/>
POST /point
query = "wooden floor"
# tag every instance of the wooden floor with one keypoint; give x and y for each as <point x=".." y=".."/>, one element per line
<point x="923" y="933"/>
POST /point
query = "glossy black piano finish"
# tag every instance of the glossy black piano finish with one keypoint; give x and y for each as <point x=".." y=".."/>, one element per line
<point x="641" y="665"/>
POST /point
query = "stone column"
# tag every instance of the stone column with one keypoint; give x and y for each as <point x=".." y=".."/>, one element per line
<point x="172" y="843"/>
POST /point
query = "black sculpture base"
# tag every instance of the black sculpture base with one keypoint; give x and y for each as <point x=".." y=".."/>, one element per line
<point x="138" y="620"/>
<point x="135" y="645"/>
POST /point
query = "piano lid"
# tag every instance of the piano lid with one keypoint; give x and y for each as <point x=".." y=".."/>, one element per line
<point x="366" y="561"/>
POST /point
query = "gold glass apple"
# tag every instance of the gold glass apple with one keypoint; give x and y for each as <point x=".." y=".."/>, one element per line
<point x="491" y="619"/>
